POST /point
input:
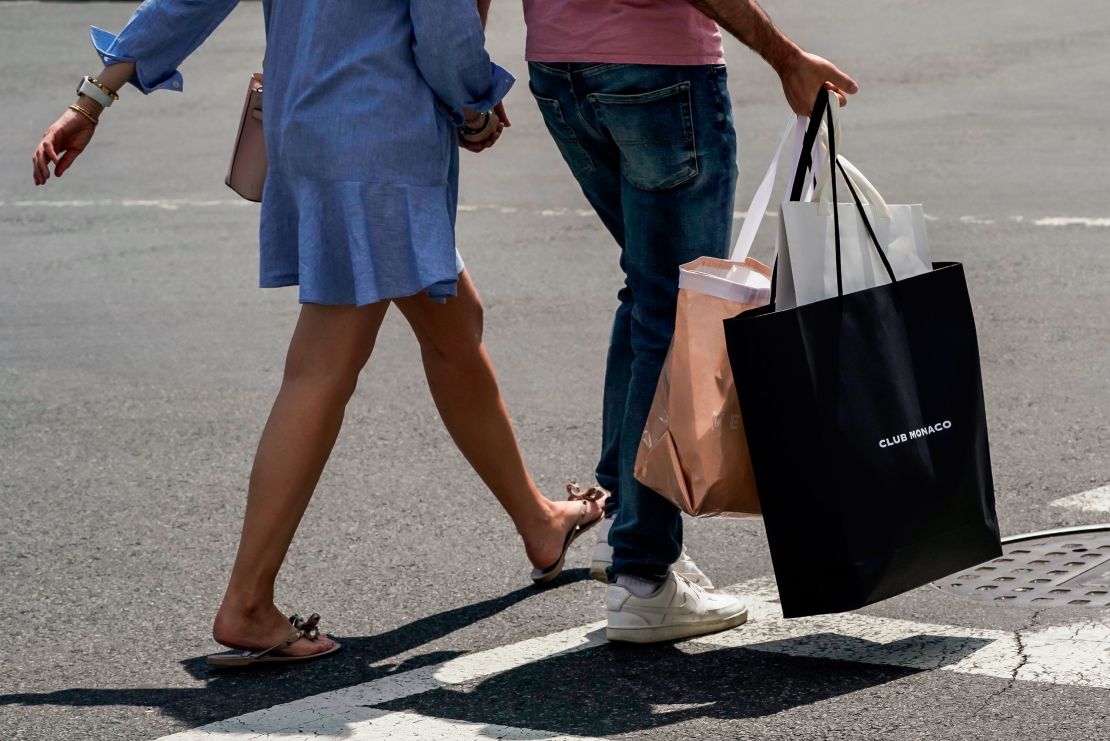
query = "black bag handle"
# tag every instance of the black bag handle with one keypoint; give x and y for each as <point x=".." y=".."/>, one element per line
<point x="822" y="108"/>
<point x="805" y="159"/>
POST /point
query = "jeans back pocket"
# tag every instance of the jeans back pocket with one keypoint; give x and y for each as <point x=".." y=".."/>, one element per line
<point x="581" y="165"/>
<point x="655" y="134"/>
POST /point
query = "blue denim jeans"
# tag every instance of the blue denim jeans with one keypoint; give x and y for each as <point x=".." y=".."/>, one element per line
<point x="654" y="150"/>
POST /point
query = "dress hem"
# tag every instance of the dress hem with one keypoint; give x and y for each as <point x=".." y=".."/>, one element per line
<point x="446" y="290"/>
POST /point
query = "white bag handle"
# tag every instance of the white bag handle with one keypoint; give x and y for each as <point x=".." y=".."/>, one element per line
<point x="815" y="187"/>
<point x="868" y="193"/>
<point x="762" y="198"/>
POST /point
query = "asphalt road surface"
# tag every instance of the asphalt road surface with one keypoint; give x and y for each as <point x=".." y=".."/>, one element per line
<point x="138" y="360"/>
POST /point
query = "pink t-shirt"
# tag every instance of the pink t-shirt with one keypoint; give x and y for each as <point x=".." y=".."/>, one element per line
<point x="626" y="31"/>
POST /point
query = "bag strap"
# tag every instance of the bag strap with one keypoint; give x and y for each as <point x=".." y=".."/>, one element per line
<point x="762" y="198"/>
<point x="867" y="192"/>
<point x="805" y="158"/>
<point x="823" y="115"/>
<point x="855" y="196"/>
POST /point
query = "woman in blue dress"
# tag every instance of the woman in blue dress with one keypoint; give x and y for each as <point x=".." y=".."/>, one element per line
<point x="364" y="104"/>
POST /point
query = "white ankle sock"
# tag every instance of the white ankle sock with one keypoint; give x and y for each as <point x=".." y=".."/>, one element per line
<point x="639" y="586"/>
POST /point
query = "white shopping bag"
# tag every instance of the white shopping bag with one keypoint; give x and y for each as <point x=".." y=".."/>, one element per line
<point x="806" y="242"/>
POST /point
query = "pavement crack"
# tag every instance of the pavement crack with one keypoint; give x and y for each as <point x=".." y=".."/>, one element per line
<point x="1023" y="660"/>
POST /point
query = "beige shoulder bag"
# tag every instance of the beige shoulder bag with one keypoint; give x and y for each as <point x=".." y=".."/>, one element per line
<point x="247" y="173"/>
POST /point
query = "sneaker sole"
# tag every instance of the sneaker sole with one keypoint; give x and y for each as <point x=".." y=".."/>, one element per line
<point x="659" y="633"/>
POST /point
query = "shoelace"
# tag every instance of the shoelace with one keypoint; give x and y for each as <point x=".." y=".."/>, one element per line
<point x="697" y="590"/>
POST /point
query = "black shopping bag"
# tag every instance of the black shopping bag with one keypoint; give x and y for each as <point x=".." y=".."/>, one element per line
<point x="867" y="433"/>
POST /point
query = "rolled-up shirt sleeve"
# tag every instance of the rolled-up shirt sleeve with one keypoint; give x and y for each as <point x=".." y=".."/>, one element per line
<point x="160" y="34"/>
<point x="449" y="46"/>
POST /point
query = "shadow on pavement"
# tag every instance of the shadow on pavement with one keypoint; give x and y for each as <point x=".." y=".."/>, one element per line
<point x="609" y="690"/>
<point x="230" y="693"/>
<point x="616" y="689"/>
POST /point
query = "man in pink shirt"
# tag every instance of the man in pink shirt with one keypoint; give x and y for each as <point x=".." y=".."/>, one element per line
<point x="634" y="94"/>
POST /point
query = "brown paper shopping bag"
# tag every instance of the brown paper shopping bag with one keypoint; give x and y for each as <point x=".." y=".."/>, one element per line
<point x="694" y="449"/>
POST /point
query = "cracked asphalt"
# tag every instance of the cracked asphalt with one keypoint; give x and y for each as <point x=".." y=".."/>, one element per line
<point x="138" y="361"/>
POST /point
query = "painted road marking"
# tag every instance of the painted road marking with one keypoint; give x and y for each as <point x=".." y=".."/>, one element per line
<point x="1072" y="221"/>
<point x="1076" y="654"/>
<point x="367" y="724"/>
<point x="343" y="708"/>
<point x="166" y="204"/>
<point x="175" y="204"/>
<point x="1095" y="500"/>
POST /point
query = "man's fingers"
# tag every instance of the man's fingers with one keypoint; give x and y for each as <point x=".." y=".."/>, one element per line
<point x="471" y="146"/>
<point x="499" y="109"/>
<point x="839" y="93"/>
<point x="842" y="81"/>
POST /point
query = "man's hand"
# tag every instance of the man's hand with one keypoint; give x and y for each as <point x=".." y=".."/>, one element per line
<point x="804" y="74"/>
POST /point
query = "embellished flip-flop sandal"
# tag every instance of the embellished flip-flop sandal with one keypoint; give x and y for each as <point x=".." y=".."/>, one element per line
<point x="575" y="494"/>
<point x="301" y="629"/>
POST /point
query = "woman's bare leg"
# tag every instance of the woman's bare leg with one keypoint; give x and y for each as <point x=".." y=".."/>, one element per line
<point x="466" y="393"/>
<point x="330" y="346"/>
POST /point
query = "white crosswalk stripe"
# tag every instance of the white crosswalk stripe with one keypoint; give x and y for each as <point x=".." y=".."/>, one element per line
<point x="343" y="713"/>
<point x="174" y="204"/>
<point x="1076" y="654"/>
<point x="363" y="724"/>
<point x="1095" y="500"/>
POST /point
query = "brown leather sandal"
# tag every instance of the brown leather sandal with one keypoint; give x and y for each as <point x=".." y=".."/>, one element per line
<point x="575" y="494"/>
<point x="301" y="629"/>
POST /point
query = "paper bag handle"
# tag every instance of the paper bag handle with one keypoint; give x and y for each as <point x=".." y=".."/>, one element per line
<point x="762" y="198"/>
<point x="823" y="109"/>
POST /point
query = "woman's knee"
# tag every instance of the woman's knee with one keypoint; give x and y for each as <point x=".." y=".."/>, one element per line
<point x="331" y="345"/>
<point x="326" y="374"/>
<point x="450" y="332"/>
<point x="457" y="341"/>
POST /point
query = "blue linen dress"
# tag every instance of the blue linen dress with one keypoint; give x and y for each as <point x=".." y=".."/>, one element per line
<point x="361" y="104"/>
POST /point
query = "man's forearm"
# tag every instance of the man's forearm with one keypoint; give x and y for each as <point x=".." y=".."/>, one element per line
<point x="748" y="22"/>
<point x="483" y="10"/>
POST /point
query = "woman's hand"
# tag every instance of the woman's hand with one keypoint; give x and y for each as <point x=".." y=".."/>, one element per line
<point x="61" y="144"/>
<point x="498" y="122"/>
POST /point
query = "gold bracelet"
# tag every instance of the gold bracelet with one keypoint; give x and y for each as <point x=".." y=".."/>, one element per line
<point x="86" y="114"/>
<point x="107" y="90"/>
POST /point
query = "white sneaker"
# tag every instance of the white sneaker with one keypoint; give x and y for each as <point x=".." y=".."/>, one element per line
<point x="603" y="559"/>
<point x="603" y="552"/>
<point x="686" y="567"/>
<point x="680" y="609"/>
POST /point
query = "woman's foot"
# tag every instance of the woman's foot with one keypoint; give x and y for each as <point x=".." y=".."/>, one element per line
<point x="257" y="629"/>
<point x="544" y="540"/>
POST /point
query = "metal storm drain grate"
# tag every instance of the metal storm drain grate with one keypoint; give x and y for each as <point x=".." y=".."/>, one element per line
<point x="1052" y="569"/>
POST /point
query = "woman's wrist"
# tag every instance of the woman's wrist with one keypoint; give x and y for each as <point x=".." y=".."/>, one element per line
<point x="480" y="128"/>
<point x="115" y="76"/>
<point x="90" y="105"/>
<point x="474" y="121"/>
<point x="85" y="113"/>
